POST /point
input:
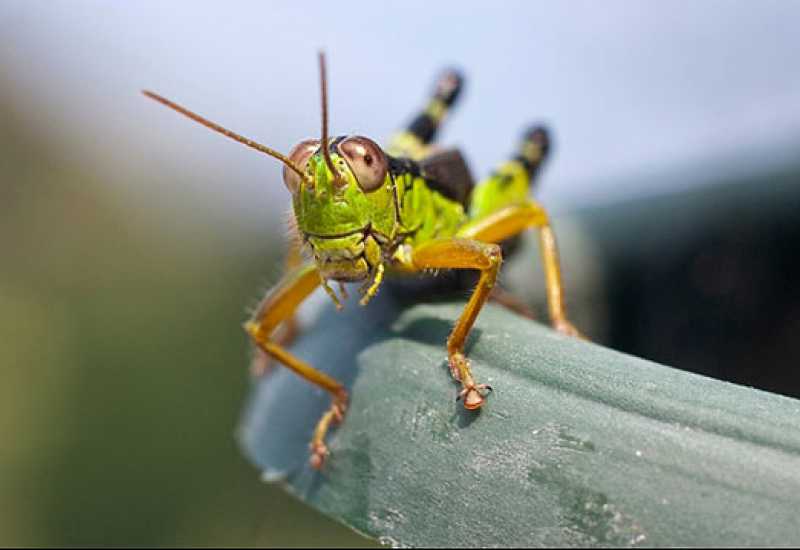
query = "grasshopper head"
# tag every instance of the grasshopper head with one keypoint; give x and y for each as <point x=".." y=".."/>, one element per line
<point x="344" y="199"/>
<point x="341" y="193"/>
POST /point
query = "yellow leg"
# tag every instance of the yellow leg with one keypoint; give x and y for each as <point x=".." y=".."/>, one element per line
<point x="286" y="333"/>
<point x="279" y="305"/>
<point x="294" y="259"/>
<point x="512" y="220"/>
<point x="463" y="254"/>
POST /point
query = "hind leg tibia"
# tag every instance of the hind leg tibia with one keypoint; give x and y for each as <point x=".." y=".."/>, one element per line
<point x="415" y="140"/>
<point x="510" y="221"/>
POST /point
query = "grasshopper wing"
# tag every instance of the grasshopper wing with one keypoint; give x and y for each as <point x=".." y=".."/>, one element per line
<point x="447" y="172"/>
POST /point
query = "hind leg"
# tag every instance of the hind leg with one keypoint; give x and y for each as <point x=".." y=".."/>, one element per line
<point x="501" y="209"/>
<point x="511" y="181"/>
<point x="415" y="140"/>
<point x="513" y="220"/>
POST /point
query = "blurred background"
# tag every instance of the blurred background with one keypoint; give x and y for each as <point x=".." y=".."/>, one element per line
<point x="132" y="241"/>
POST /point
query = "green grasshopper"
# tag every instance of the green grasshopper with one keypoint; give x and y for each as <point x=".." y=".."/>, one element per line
<point x="362" y="212"/>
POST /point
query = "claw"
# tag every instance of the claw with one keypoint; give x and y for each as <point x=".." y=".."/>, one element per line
<point x="338" y="412"/>
<point x="334" y="415"/>
<point x="473" y="399"/>
<point x="565" y="327"/>
<point x="319" y="452"/>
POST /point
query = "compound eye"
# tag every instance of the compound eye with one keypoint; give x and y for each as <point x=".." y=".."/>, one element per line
<point x="299" y="157"/>
<point x="366" y="160"/>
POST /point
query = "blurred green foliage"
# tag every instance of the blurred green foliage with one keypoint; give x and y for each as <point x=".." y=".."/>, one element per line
<point x="124" y="370"/>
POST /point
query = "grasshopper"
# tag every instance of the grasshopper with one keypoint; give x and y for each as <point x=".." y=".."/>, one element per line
<point x="362" y="212"/>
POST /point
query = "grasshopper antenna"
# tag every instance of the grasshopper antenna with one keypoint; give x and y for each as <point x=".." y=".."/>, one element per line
<point x="323" y="81"/>
<point x="225" y="132"/>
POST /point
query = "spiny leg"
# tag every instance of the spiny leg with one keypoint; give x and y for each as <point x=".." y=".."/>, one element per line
<point x="279" y="305"/>
<point x="415" y="140"/>
<point x="463" y="254"/>
<point x="512" y="220"/>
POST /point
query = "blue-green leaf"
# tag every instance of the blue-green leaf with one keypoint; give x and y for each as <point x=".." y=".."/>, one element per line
<point x="577" y="446"/>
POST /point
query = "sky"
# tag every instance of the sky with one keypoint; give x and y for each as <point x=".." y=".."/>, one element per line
<point x="629" y="89"/>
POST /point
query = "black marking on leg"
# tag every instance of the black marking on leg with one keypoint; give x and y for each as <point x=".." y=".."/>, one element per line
<point x="534" y="149"/>
<point x="423" y="127"/>
<point x="449" y="86"/>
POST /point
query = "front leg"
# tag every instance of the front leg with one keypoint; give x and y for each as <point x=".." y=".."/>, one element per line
<point x="462" y="254"/>
<point x="286" y="332"/>
<point x="278" y="306"/>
